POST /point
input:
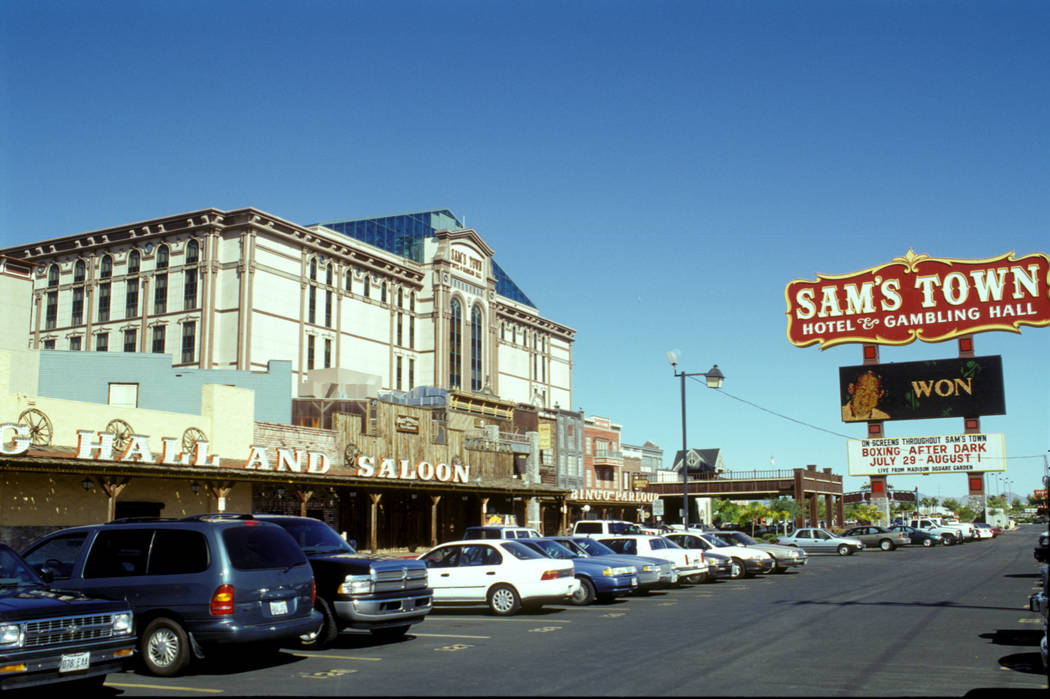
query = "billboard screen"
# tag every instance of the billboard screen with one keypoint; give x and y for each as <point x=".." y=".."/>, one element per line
<point x="910" y="456"/>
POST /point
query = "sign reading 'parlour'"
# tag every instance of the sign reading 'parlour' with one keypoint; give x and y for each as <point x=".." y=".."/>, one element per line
<point x="918" y="297"/>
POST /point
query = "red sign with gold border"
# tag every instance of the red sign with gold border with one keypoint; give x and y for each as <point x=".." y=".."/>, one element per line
<point x="918" y="297"/>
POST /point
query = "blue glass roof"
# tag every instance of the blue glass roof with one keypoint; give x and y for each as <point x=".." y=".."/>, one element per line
<point x="403" y="234"/>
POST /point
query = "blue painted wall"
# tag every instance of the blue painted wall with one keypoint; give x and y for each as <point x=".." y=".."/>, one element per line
<point x="85" y="376"/>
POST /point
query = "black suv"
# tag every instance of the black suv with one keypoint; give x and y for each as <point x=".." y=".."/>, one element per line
<point x="51" y="635"/>
<point x="354" y="591"/>
<point x="195" y="582"/>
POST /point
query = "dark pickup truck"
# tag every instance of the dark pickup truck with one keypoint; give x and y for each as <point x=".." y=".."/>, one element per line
<point x="49" y="635"/>
<point x="355" y="591"/>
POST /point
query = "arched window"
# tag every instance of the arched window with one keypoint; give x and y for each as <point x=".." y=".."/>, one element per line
<point x="382" y="294"/>
<point x="367" y="285"/>
<point x="455" y="337"/>
<point x="134" y="261"/>
<point x="162" y="257"/>
<point x="349" y="276"/>
<point x="475" y="349"/>
<point x="400" y="298"/>
<point x="79" y="271"/>
<point x="52" y="275"/>
<point x="313" y="269"/>
<point x="192" y="252"/>
<point x="106" y="270"/>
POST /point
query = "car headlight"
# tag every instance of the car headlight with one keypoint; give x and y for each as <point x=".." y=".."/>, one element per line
<point x="122" y="624"/>
<point x="648" y="568"/>
<point x="11" y="635"/>
<point x="357" y="585"/>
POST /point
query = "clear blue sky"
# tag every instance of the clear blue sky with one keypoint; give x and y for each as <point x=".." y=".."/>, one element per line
<point x="651" y="174"/>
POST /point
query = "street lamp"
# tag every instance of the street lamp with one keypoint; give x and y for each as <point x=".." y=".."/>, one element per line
<point x="714" y="378"/>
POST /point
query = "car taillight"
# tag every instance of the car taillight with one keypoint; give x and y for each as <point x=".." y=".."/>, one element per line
<point x="313" y="592"/>
<point x="222" y="600"/>
<point x="550" y="575"/>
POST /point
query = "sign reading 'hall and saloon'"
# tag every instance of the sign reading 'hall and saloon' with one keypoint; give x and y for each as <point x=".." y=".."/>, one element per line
<point x="949" y="453"/>
<point x="966" y="387"/>
<point x="918" y="297"/>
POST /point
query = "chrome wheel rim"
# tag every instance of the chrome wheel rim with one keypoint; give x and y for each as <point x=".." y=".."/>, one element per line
<point x="503" y="600"/>
<point x="163" y="647"/>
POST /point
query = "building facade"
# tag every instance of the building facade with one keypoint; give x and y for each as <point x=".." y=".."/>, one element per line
<point x="402" y="301"/>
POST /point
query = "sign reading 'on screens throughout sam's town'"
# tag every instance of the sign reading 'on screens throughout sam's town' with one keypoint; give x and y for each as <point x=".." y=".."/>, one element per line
<point x="920" y="297"/>
<point x="909" y="456"/>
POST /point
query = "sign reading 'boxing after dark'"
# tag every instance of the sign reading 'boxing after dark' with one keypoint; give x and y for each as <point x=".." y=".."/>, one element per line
<point x="965" y="387"/>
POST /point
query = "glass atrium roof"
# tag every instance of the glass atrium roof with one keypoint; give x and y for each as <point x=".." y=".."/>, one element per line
<point x="403" y="235"/>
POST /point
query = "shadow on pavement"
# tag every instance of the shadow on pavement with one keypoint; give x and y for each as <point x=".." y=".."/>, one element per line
<point x="1015" y="637"/>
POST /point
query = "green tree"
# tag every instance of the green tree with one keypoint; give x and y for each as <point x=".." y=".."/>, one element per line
<point x="863" y="512"/>
<point x="726" y="511"/>
<point x="953" y="505"/>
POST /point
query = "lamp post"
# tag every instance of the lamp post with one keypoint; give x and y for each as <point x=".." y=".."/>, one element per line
<point x="714" y="379"/>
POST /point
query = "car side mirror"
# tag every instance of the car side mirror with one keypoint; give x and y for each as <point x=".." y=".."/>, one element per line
<point x="47" y="575"/>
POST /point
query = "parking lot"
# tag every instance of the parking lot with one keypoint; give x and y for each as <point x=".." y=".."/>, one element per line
<point x="942" y="621"/>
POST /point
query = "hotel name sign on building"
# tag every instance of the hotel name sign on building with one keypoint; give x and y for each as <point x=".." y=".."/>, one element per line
<point x="918" y="297"/>
<point x="98" y="446"/>
<point x="909" y="456"/>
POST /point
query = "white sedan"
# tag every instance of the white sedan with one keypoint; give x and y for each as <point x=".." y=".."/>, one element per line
<point x="689" y="565"/>
<point x="504" y="574"/>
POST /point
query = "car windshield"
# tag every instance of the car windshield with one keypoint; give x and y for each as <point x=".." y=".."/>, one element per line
<point x="314" y="536"/>
<point x="14" y="572"/>
<point x="738" y="538"/>
<point x="574" y="547"/>
<point x="551" y="548"/>
<point x="521" y="551"/>
<point x="717" y="541"/>
<point x="595" y="548"/>
<point x="671" y="544"/>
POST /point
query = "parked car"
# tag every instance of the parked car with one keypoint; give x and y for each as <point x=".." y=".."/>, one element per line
<point x="505" y="574"/>
<point x="784" y="557"/>
<point x="948" y="535"/>
<point x="604" y="527"/>
<point x="94" y="636"/>
<point x="985" y="530"/>
<point x="1042" y="550"/>
<point x="355" y="591"/>
<point x="689" y="565"/>
<point x="200" y="582"/>
<point x="872" y="536"/>
<point x="500" y="531"/>
<point x="652" y="572"/>
<point x="916" y="537"/>
<point x="821" y="541"/>
<point x="744" y="561"/>
<point x="599" y="578"/>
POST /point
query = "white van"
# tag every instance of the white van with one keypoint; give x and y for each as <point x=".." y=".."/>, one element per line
<point x="605" y="527"/>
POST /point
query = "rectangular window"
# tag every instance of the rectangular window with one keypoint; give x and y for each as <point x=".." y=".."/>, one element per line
<point x="102" y="342"/>
<point x="397" y="363"/>
<point x="400" y="322"/>
<point x="51" y="318"/>
<point x="129" y="340"/>
<point x="158" y="339"/>
<point x="411" y="374"/>
<point x="327" y="353"/>
<point x="309" y="352"/>
<point x="189" y="290"/>
<point x="49" y="344"/>
<point x="160" y="294"/>
<point x="131" y="299"/>
<point x="78" y="306"/>
<point x="412" y="332"/>
<point x="189" y="341"/>
<point x="125" y="395"/>
<point x="328" y="308"/>
<point x="103" y="302"/>
<point x="311" y="306"/>
<point x="74" y="343"/>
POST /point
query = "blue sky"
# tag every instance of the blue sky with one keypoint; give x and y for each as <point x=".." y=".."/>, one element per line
<point x="652" y="174"/>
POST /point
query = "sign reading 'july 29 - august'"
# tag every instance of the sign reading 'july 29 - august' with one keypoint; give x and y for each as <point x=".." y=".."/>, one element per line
<point x="918" y="297"/>
<point x="922" y="455"/>
<point x="966" y="387"/>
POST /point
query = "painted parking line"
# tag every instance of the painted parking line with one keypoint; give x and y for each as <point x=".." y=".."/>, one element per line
<point x="446" y="635"/>
<point x="1029" y="621"/>
<point x="483" y="618"/>
<point x="335" y="657"/>
<point x="167" y="687"/>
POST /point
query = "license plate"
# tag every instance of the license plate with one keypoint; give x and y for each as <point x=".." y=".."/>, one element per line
<point x="634" y="581"/>
<point x="279" y="607"/>
<point x="74" y="662"/>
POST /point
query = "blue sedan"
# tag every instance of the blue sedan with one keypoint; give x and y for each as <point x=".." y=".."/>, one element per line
<point x="599" y="579"/>
<point x="918" y="537"/>
<point x="652" y="572"/>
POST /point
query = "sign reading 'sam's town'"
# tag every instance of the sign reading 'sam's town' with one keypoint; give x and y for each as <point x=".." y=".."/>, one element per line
<point x="918" y="297"/>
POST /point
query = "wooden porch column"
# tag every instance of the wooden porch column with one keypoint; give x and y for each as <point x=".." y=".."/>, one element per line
<point x="220" y="492"/>
<point x="303" y="496"/>
<point x="484" y="509"/>
<point x="434" y="500"/>
<point x="563" y="518"/>
<point x="112" y="489"/>
<point x="373" y="520"/>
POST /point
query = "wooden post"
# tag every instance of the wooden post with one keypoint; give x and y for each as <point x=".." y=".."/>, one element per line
<point x="434" y="500"/>
<point x="303" y="496"/>
<point x="484" y="509"/>
<point x="112" y="489"/>
<point x="220" y="492"/>
<point x="373" y="521"/>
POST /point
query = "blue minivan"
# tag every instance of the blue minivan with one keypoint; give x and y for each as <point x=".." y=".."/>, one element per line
<point x="195" y="583"/>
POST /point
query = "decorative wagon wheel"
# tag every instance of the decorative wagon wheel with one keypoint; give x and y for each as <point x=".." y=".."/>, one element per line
<point x="190" y="437"/>
<point x="39" y="424"/>
<point x="349" y="454"/>
<point x="121" y="432"/>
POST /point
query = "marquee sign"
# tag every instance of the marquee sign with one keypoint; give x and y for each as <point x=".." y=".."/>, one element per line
<point x="909" y="456"/>
<point x="918" y="297"/>
<point x="965" y="387"/>
<point x="612" y="495"/>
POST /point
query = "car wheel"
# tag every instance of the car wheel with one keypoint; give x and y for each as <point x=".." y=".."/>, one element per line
<point x="737" y="569"/>
<point x="393" y="633"/>
<point x="947" y="539"/>
<point x="927" y="542"/>
<point x="326" y="634"/>
<point x="845" y="550"/>
<point x="696" y="579"/>
<point x="886" y="545"/>
<point x="504" y="600"/>
<point x="585" y="595"/>
<point x="164" y="647"/>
